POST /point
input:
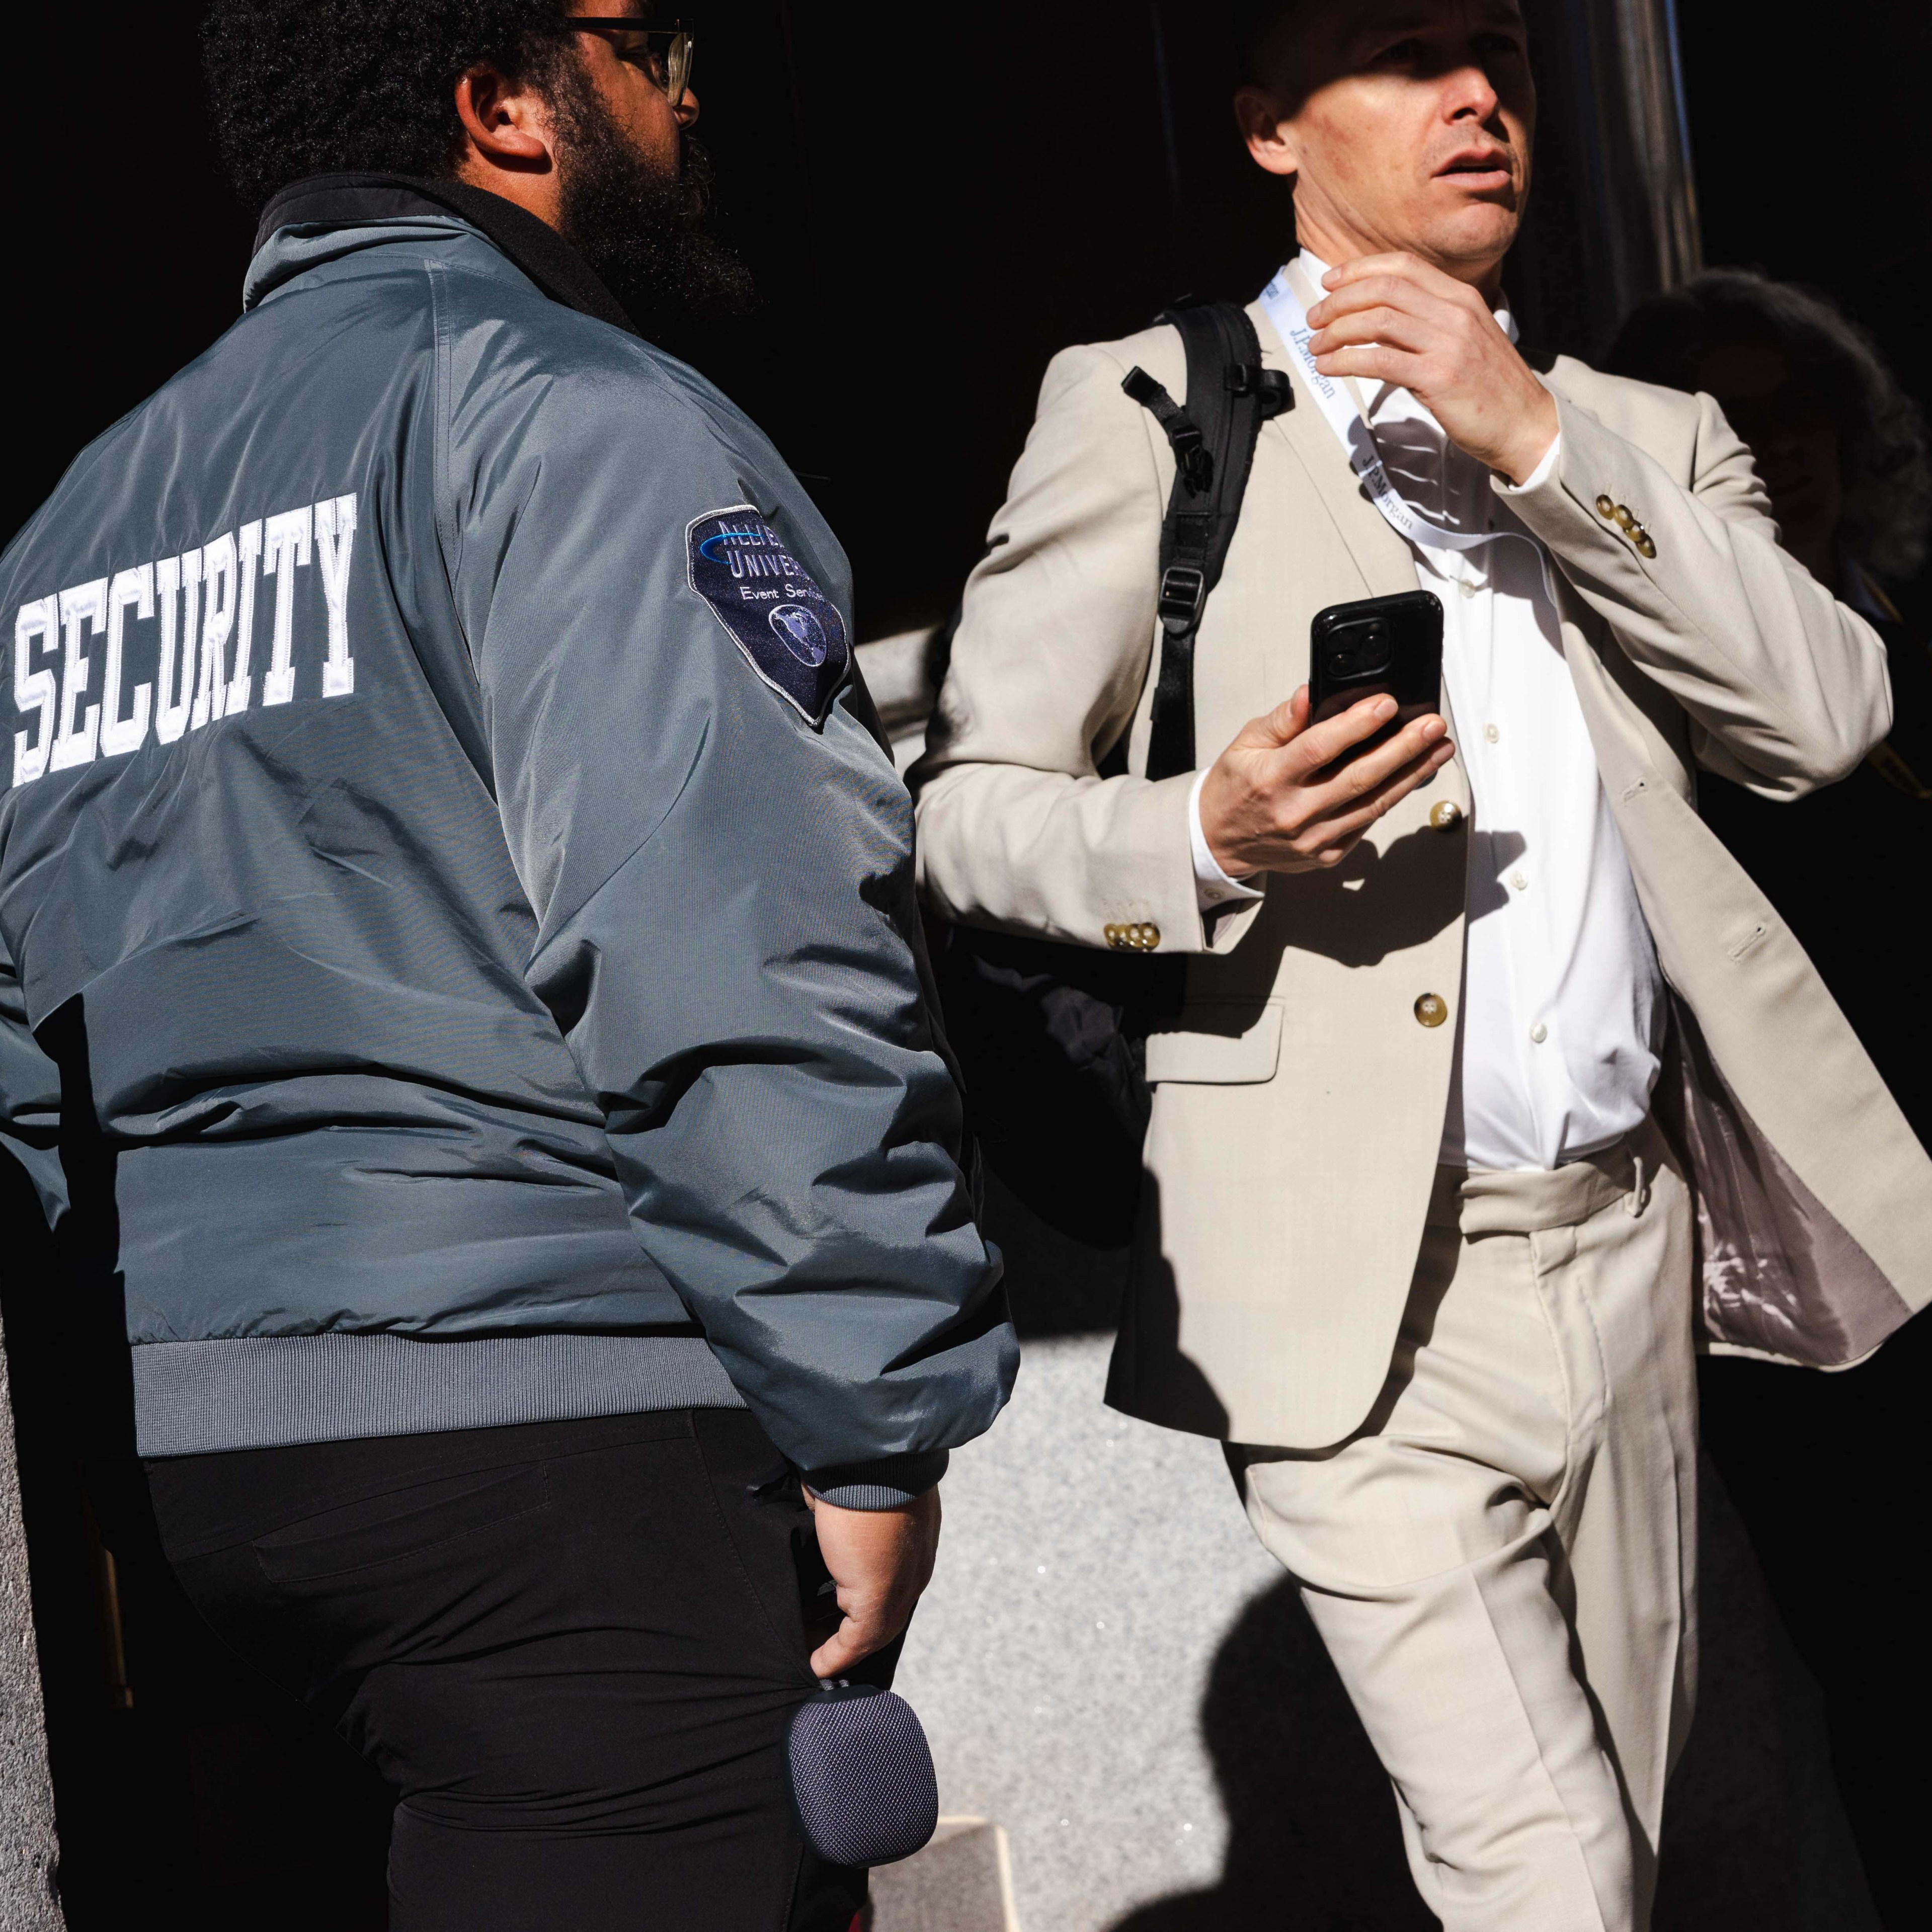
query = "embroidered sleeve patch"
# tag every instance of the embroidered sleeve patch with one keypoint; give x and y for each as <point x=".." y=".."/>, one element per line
<point x="789" y="632"/>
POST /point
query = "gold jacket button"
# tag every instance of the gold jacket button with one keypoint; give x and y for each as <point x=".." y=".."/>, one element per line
<point x="1625" y="521"/>
<point x="1646" y="548"/>
<point x="1606" y="509"/>
<point x="1111" y="934"/>
<point x="1445" y="815"/>
<point x="1432" y="1009"/>
<point x="1146" y="936"/>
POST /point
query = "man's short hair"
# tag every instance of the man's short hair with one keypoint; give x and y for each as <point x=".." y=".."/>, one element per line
<point x="1267" y="34"/>
<point x="311" y="87"/>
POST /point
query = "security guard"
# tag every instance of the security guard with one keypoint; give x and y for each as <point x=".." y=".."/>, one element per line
<point x="452" y="886"/>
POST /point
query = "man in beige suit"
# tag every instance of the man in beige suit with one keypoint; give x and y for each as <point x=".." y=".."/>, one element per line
<point x="1498" y="1087"/>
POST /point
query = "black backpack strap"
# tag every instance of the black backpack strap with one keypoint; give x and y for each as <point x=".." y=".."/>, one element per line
<point x="1229" y="396"/>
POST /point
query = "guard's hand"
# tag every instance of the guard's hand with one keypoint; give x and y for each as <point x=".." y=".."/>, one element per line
<point x="1269" y="804"/>
<point x="880" y="1560"/>
<point x="1397" y="319"/>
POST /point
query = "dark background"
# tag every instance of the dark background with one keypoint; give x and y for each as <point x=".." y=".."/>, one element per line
<point x="933" y="203"/>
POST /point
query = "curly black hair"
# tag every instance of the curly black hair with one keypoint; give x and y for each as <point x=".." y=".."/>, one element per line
<point x="311" y="87"/>
<point x="1882" y="440"/>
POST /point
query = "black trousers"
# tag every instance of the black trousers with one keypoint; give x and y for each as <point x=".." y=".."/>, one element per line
<point x="572" y="1649"/>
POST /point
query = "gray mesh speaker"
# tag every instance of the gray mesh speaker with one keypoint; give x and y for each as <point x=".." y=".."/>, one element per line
<point x="862" y="1776"/>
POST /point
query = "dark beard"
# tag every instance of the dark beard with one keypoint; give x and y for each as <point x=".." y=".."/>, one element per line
<point x="647" y="235"/>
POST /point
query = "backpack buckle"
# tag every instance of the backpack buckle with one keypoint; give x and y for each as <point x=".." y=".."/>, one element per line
<point x="1182" y="588"/>
<point x="1271" y="385"/>
<point x="1192" y="456"/>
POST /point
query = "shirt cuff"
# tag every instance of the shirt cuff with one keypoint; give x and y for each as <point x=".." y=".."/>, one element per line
<point x="890" y="1483"/>
<point x="1213" y="888"/>
<point x="1537" y="477"/>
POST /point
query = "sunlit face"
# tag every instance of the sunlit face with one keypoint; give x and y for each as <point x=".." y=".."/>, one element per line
<point x="1793" y="433"/>
<point x="1407" y="125"/>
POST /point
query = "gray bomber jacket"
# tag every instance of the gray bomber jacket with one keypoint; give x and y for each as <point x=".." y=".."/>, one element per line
<point x="453" y="901"/>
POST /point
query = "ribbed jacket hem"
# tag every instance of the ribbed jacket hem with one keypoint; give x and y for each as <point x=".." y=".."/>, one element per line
<point x="263" y="1392"/>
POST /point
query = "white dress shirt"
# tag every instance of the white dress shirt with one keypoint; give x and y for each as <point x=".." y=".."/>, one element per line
<point x="1562" y="1006"/>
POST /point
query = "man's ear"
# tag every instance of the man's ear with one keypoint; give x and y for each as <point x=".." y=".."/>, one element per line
<point x="506" y="125"/>
<point x="1267" y="129"/>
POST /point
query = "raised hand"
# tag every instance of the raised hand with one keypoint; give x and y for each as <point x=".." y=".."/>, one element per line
<point x="1395" y="318"/>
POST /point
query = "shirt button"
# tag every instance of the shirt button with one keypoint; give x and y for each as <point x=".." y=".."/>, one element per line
<point x="1432" y="1009"/>
<point x="1467" y="589"/>
<point x="1517" y="880"/>
<point x="1445" y="814"/>
<point x="1539" y="1033"/>
<point x="1490" y="732"/>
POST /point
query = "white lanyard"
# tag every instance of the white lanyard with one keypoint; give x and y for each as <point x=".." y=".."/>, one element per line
<point x="1291" y="321"/>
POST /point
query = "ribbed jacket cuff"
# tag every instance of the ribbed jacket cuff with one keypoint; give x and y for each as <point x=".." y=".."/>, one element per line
<point x="890" y="1483"/>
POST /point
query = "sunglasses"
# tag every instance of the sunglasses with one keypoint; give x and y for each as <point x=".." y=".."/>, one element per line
<point x="664" y="53"/>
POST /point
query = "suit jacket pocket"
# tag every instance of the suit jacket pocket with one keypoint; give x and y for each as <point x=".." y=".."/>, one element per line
<point x="405" y="1522"/>
<point x="1235" y="1044"/>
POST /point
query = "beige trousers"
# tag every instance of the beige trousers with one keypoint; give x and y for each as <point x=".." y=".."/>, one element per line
<point x="1502" y="1560"/>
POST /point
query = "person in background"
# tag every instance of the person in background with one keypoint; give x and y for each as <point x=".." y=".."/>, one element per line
<point x="1842" y="450"/>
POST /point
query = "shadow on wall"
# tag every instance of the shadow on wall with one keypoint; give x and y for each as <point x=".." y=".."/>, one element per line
<point x="1754" y="1834"/>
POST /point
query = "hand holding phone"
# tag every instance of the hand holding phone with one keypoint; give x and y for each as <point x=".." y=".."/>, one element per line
<point x="1295" y="791"/>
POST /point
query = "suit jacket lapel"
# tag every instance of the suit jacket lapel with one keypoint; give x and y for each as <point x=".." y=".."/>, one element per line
<point x="1383" y="557"/>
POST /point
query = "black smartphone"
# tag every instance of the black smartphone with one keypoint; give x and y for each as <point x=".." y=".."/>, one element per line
<point x="1390" y="645"/>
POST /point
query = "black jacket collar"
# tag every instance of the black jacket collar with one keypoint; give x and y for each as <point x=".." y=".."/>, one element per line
<point x="536" y="247"/>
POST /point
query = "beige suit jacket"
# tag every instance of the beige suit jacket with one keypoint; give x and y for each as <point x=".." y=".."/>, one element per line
<point x="1298" y="1103"/>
